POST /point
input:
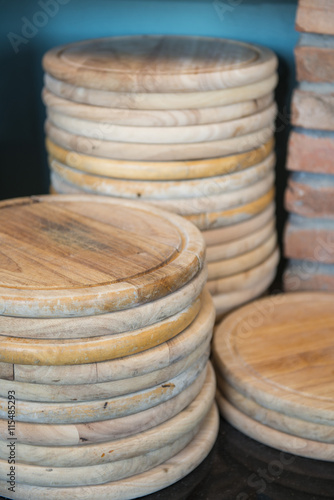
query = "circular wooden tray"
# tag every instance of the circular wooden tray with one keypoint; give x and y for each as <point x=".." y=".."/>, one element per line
<point x="164" y="171"/>
<point x="149" y="152"/>
<point x="296" y="427"/>
<point x="239" y="247"/>
<point x="161" y="190"/>
<point x="236" y="231"/>
<point x="132" y="446"/>
<point x="244" y="262"/>
<point x="120" y="406"/>
<point x="271" y="437"/>
<point x="245" y="280"/>
<point x="279" y="352"/>
<point x="105" y="324"/>
<point x="76" y="256"/>
<point x="158" y="101"/>
<point x="90" y="350"/>
<point x="157" y="478"/>
<point x="159" y="63"/>
<point x="156" y="117"/>
<point x="163" y="135"/>
<point x="226" y="302"/>
<point x="108" y="430"/>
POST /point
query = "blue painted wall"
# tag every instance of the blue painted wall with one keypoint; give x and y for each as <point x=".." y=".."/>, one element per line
<point x="23" y="159"/>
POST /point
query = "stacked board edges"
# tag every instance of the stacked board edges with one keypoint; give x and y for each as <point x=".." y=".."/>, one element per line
<point x="94" y="255"/>
<point x="278" y="353"/>
<point x="147" y="64"/>
<point x="304" y="275"/>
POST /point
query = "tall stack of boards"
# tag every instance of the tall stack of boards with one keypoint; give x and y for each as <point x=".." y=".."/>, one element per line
<point x="309" y="236"/>
<point x="183" y="123"/>
<point x="105" y="327"/>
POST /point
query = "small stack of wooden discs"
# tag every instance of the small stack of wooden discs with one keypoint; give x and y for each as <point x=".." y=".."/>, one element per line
<point x="106" y="390"/>
<point x="183" y="123"/>
<point x="274" y="361"/>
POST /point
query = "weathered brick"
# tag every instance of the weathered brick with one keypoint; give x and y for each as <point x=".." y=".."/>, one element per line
<point x="310" y="195"/>
<point x="315" y="16"/>
<point x="311" y="152"/>
<point x="302" y="275"/>
<point x="313" y="110"/>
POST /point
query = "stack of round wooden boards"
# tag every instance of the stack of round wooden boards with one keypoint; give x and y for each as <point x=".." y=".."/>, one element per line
<point x="183" y="123"/>
<point x="105" y="336"/>
<point x="274" y="362"/>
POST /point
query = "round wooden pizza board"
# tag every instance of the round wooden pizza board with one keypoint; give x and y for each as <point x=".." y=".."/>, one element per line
<point x="156" y="117"/>
<point x="164" y="171"/>
<point x="279" y="352"/>
<point x="86" y="255"/>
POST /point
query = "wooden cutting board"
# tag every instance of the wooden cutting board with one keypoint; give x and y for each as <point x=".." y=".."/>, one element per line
<point x="163" y="135"/>
<point x="136" y="365"/>
<point x="279" y="351"/>
<point x="76" y="256"/>
<point x="109" y="430"/>
<point x="159" y="101"/>
<point x="132" y="446"/>
<point x="160" y="171"/>
<point x="159" y="63"/>
<point x="157" y="478"/>
<point x="246" y="279"/>
<point x="271" y="437"/>
<point x="155" y="117"/>
<point x="161" y="190"/>
<point x="237" y="231"/>
<point x="148" y="152"/>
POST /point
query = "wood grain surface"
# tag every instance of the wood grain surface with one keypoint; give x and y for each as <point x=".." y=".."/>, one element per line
<point x="271" y="437"/>
<point x="157" y="478"/>
<point x="155" y="117"/>
<point x="81" y="351"/>
<point x="80" y="256"/>
<point x="279" y="352"/>
<point x="109" y="430"/>
<point x="160" y="171"/>
<point x="159" y="63"/>
<point x="159" y="101"/>
<point x="120" y="406"/>
<point x="133" y="446"/>
<point x="140" y="151"/>
<point x="246" y="279"/>
<point x="163" y="135"/>
<point x="160" y="190"/>
<point x="237" y="231"/>
<point x="137" y="365"/>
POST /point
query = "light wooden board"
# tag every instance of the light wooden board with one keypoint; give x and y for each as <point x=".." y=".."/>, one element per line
<point x="143" y="170"/>
<point x="296" y="427"/>
<point x="244" y="262"/>
<point x="271" y="437"/>
<point x="279" y="352"/>
<point x="136" y="365"/>
<point x="81" y="351"/>
<point x="67" y="256"/>
<point x="245" y="280"/>
<point x="38" y="434"/>
<point x="82" y="327"/>
<point x="164" y="190"/>
<point x="159" y="63"/>
<point x="133" y="446"/>
<point x="90" y="411"/>
<point x="237" y="231"/>
<point x="163" y="135"/>
<point x="226" y="302"/>
<point x="166" y="101"/>
<point x="239" y="247"/>
<point x="156" y="117"/>
<point x="26" y="391"/>
<point x="149" y="152"/>
<point x="157" y="478"/>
